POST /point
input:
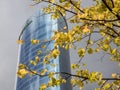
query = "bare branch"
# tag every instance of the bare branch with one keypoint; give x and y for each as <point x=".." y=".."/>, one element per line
<point x="56" y="5"/>
<point x="86" y="46"/>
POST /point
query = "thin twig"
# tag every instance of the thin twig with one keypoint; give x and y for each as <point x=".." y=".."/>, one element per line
<point x="76" y="7"/>
<point x="66" y="73"/>
<point x="86" y="47"/>
<point x="56" y="5"/>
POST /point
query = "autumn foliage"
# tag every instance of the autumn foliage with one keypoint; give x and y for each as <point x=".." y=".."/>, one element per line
<point x="101" y="18"/>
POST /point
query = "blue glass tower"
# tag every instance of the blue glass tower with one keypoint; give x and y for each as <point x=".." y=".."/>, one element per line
<point x="41" y="27"/>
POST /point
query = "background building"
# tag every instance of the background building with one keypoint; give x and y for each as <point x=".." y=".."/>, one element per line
<point x="41" y="27"/>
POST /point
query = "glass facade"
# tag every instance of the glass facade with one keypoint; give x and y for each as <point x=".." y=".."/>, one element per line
<point x="41" y="27"/>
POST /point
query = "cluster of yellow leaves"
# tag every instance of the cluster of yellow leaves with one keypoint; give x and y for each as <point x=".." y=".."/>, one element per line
<point x="117" y="41"/>
<point x="85" y="24"/>
<point x="43" y="87"/>
<point x="85" y="29"/>
<point x="34" y="62"/>
<point x="77" y="82"/>
<point x="52" y="82"/>
<point x="115" y="85"/>
<point x="56" y="82"/>
<point x="81" y="52"/>
<point x="75" y="66"/>
<point x="52" y="55"/>
<point x="61" y="38"/>
<point x="35" y="41"/>
<point x="55" y="53"/>
<point x="81" y="72"/>
<point x="55" y="15"/>
<point x="67" y="39"/>
<point x="22" y="72"/>
<point x="51" y="74"/>
<point x="95" y="76"/>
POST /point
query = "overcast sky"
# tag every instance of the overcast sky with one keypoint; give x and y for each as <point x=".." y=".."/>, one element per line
<point x="13" y="14"/>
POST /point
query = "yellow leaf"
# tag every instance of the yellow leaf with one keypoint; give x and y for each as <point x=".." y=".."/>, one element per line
<point x="45" y="61"/>
<point x="37" y="58"/>
<point x="106" y="86"/>
<point x="22" y="72"/>
<point x="55" y="53"/>
<point x="43" y="46"/>
<point x="33" y="62"/>
<point x="50" y="83"/>
<point x="97" y="49"/>
<point x="74" y="66"/>
<point x="52" y="1"/>
<point x="114" y="75"/>
<point x="105" y="47"/>
<point x="90" y="51"/>
<point x="67" y="47"/>
<point x="51" y="74"/>
<point x="42" y="72"/>
<point x="35" y="41"/>
<point x="65" y="28"/>
<point x="38" y="52"/>
<point x="20" y="41"/>
<point x="79" y="15"/>
<point x="113" y="51"/>
<point x="117" y="41"/>
<point x="63" y="81"/>
<point x="81" y="52"/>
<point x="86" y="30"/>
<point x="73" y="81"/>
<point x="43" y="87"/>
<point x="21" y="66"/>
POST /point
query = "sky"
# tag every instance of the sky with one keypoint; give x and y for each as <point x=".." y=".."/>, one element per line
<point x="13" y="14"/>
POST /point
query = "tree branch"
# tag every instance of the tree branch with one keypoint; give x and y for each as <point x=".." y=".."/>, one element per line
<point x="112" y="4"/>
<point x="110" y="29"/>
<point x="76" y="7"/>
<point x="69" y="74"/>
<point x="86" y="46"/>
<point x="99" y="20"/>
<point x="55" y="5"/>
<point x="110" y="9"/>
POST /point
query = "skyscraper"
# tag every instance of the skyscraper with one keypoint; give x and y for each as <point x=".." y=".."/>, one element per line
<point x="41" y="27"/>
